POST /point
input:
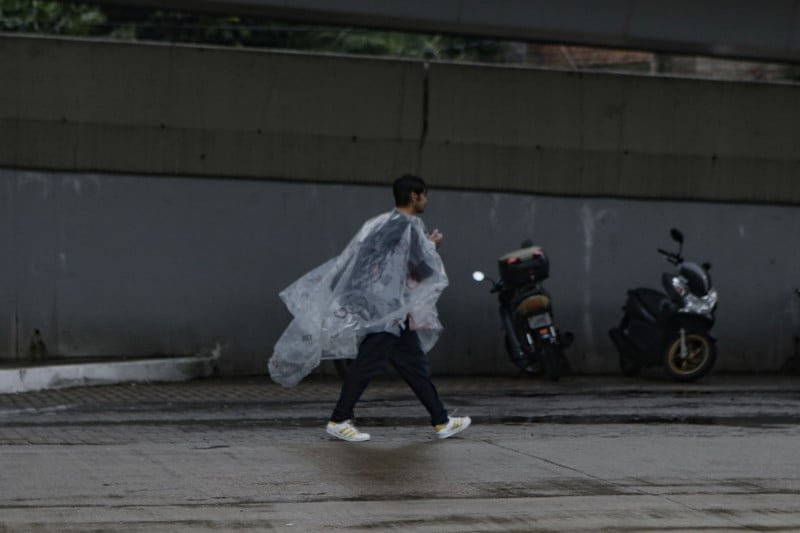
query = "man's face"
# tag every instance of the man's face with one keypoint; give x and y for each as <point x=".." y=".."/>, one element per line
<point x="419" y="201"/>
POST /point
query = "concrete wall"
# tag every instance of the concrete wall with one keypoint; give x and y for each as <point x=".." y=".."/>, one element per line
<point x="617" y="135"/>
<point x="179" y="110"/>
<point x="156" y="198"/>
<point x="88" y="105"/>
<point x="134" y="265"/>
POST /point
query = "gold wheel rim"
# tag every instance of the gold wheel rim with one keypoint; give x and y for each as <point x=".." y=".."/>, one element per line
<point x="697" y="351"/>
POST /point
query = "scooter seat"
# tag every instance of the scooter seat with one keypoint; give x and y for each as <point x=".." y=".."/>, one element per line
<point x="532" y="305"/>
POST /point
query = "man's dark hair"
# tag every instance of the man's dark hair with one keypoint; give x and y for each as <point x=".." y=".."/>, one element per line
<point x="404" y="186"/>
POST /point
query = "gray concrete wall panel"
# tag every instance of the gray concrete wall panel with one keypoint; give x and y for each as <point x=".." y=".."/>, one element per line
<point x="117" y="265"/>
<point x="599" y="134"/>
<point x="8" y="271"/>
<point x="71" y="104"/>
<point x="134" y="265"/>
<point x="36" y="229"/>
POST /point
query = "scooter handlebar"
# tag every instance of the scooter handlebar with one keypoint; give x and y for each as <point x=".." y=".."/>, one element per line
<point x="671" y="257"/>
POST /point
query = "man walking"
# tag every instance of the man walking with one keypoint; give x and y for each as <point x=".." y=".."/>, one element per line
<point x="376" y="302"/>
<point x="401" y="347"/>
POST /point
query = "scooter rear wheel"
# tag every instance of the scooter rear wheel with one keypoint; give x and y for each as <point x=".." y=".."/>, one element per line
<point x="701" y="354"/>
<point x="551" y="355"/>
<point x="531" y="368"/>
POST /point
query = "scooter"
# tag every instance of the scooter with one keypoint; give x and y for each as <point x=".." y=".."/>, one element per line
<point x="670" y="328"/>
<point x="533" y="342"/>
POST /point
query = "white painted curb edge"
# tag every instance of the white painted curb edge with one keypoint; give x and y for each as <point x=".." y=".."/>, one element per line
<point x="106" y="373"/>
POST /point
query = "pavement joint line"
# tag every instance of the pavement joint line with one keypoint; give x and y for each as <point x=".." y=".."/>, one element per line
<point x="566" y="467"/>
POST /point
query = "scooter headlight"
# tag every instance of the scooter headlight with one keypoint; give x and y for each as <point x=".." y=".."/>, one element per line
<point x="711" y="298"/>
<point x="704" y="305"/>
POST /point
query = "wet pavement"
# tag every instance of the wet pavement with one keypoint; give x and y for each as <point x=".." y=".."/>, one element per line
<point x="585" y="454"/>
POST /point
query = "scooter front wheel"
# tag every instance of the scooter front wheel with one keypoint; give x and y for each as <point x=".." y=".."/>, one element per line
<point x="696" y="362"/>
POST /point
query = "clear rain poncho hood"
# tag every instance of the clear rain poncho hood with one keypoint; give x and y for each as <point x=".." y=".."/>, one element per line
<point x="388" y="277"/>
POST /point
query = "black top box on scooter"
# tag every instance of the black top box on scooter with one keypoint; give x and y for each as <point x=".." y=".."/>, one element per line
<point x="524" y="266"/>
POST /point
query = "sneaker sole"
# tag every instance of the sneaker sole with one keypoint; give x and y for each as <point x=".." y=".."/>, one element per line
<point x="454" y="432"/>
<point x="332" y="433"/>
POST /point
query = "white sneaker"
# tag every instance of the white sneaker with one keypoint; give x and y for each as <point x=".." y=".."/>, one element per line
<point x="346" y="431"/>
<point x="455" y="424"/>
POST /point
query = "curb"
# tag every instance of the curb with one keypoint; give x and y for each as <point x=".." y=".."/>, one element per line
<point x="57" y="376"/>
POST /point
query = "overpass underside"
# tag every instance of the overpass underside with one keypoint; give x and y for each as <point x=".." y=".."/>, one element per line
<point x="767" y="30"/>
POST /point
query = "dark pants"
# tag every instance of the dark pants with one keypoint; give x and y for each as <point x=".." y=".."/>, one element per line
<point x="407" y="358"/>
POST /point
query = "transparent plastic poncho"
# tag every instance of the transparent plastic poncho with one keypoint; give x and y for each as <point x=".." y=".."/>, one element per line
<point x="389" y="277"/>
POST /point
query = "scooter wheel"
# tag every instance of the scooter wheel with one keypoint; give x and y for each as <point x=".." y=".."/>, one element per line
<point x="701" y="354"/>
<point x="551" y="355"/>
<point x="528" y="367"/>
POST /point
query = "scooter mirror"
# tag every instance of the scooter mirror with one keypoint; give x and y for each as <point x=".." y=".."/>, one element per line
<point x="676" y="235"/>
<point x="478" y="275"/>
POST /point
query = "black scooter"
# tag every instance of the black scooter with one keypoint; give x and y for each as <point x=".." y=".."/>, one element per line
<point x="533" y="342"/>
<point x="672" y="327"/>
